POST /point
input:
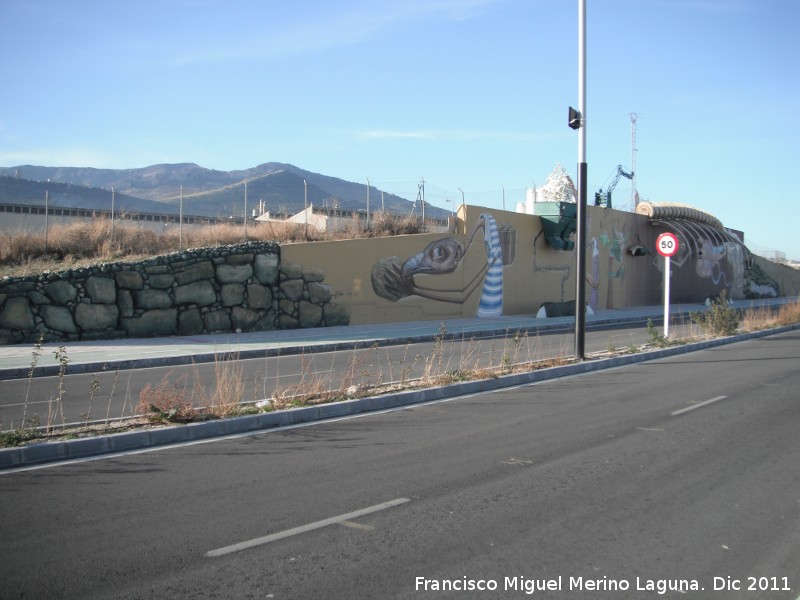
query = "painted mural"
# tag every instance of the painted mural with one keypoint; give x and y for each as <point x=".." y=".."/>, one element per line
<point x="612" y="245"/>
<point x="500" y="263"/>
<point x="394" y="278"/>
<point x="710" y="258"/>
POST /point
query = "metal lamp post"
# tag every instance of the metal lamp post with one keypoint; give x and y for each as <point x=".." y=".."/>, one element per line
<point x="580" y="238"/>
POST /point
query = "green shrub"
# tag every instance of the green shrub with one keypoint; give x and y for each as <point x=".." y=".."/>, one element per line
<point x="720" y="318"/>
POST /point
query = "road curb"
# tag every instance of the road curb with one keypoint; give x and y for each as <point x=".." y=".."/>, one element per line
<point x="102" y="445"/>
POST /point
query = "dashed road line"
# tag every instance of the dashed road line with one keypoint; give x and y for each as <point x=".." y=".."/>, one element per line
<point x="698" y="405"/>
<point x="305" y="528"/>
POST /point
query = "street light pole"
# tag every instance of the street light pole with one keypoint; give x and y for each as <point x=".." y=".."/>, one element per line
<point x="112" y="219"/>
<point x="580" y="239"/>
<point x="180" y="222"/>
<point x="305" y="204"/>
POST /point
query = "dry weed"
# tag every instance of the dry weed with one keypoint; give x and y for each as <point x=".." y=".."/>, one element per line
<point x="224" y="399"/>
<point x="23" y="252"/>
<point x="166" y="401"/>
<point x="789" y="314"/>
<point x="764" y="317"/>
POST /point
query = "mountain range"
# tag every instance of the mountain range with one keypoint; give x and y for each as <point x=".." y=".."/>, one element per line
<point x="161" y="188"/>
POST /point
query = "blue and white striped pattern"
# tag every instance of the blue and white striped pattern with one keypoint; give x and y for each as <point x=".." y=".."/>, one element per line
<point x="491" y="304"/>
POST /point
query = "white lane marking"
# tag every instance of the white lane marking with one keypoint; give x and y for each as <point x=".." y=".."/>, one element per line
<point x="698" y="405"/>
<point x="357" y="526"/>
<point x="305" y="528"/>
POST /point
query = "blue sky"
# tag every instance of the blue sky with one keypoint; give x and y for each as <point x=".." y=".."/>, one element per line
<point x="469" y="94"/>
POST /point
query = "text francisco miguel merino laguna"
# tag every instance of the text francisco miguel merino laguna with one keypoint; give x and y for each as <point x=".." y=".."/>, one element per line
<point x="531" y="586"/>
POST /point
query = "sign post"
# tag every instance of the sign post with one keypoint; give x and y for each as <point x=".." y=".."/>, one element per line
<point x="667" y="246"/>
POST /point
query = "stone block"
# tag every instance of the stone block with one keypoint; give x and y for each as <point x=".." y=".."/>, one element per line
<point x="16" y="314"/>
<point x="38" y="298"/>
<point x="157" y="269"/>
<point x="129" y="280"/>
<point x="266" y="323"/>
<point x="61" y="292"/>
<point x="319" y="293"/>
<point x="21" y="287"/>
<point x="309" y="315"/>
<point x="217" y="321"/>
<point x="101" y="290"/>
<point x="152" y="323"/>
<point x="266" y="268"/>
<point x="125" y="303"/>
<point x="96" y="317"/>
<point x="287" y="307"/>
<point x="152" y="299"/>
<point x="243" y="318"/>
<point x="195" y="272"/>
<point x="190" y="322"/>
<point x="58" y="318"/>
<point x="234" y="273"/>
<point x="239" y="259"/>
<point x="311" y="273"/>
<point x="292" y="289"/>
<point x="291" y="271"/>
<point x="161" y="281"/>
<point x="232" y="294"/>
<point x="258" y="296"/>
<point x="287" y="322"/>
<point x="201" y="293"/>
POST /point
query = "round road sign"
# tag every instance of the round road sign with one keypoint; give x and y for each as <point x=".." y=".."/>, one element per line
<point x="667" y="244"/>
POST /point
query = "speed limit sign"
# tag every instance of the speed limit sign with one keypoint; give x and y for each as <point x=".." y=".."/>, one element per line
<point x="667" y="244"/>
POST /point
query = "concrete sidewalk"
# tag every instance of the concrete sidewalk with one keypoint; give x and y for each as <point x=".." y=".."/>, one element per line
<point x="88" y="357"/>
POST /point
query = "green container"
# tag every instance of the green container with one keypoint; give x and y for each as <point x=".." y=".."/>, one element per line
<point x="558" y="221"/>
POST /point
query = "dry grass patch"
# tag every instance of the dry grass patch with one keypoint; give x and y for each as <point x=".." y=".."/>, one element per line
<point x="764" y="317"/>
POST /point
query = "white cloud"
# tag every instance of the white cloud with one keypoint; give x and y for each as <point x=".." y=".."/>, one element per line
<point x="338" y="28"/>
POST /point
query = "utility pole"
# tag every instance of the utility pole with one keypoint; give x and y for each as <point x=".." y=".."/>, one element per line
<point x="305" y="203"/>
<point x="46" y="219"/>
<point x="245" y="211"/>
<point x="112" y="219"/>
<point x="422" y="183"/>
<point x="180" y="221"/>
<point x="580" y="245"/>
<point x="634" y="195"/>
<point x="367" y="203"/>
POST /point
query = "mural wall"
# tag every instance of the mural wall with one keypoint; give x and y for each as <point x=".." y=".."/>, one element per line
<point x="499" y="263"/>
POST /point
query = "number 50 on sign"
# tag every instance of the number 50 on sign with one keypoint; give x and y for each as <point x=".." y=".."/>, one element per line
<point x="667" y="244"/>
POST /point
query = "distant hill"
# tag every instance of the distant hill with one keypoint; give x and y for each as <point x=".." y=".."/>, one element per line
<point x="206" y="192"/>
<point x="24" y="191"/>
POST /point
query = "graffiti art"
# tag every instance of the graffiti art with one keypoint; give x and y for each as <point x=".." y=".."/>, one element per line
<point x="394" y="278"/>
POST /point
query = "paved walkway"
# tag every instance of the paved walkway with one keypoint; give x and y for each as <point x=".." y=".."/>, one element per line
<point x="15" y="361"/>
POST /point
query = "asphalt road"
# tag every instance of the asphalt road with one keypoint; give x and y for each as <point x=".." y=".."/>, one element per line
<point x="109" y="395"/>
<point x="682" y="471"/>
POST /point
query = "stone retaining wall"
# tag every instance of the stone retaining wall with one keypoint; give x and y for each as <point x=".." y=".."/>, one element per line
<point x="243" y="287"/>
